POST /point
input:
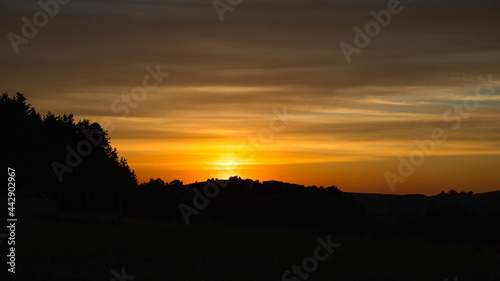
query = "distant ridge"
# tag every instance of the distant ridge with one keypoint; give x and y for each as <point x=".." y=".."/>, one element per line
<point x="388" y="207"/>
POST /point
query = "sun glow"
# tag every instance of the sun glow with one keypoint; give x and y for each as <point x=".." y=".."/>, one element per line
<point x="228" y="162"/>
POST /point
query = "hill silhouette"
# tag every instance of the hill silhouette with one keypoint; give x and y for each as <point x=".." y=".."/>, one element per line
<point x="75" y="166"/>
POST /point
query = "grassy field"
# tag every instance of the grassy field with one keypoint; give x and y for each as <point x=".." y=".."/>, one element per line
<point x="79" y="248"/>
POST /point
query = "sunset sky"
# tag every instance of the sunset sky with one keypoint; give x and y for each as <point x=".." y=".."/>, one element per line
<point x="346" y="123"/>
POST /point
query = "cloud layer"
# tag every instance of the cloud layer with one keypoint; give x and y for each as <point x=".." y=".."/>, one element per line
<point x="227" y="77"/>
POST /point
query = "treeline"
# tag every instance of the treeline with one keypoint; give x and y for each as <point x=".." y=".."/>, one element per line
<point x="51" y="154"/>
<point x="252" y="203"/>
<point x="75" y="164"/>
<point x="454" y="216"/>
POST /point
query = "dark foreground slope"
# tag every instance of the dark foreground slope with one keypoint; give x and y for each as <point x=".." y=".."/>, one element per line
<point x="82" y="247"/>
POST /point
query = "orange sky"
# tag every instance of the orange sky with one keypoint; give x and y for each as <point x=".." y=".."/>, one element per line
<point x="219" y="112"/>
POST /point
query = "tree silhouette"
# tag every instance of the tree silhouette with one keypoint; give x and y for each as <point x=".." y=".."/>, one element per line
<point x="34" y="143"/>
